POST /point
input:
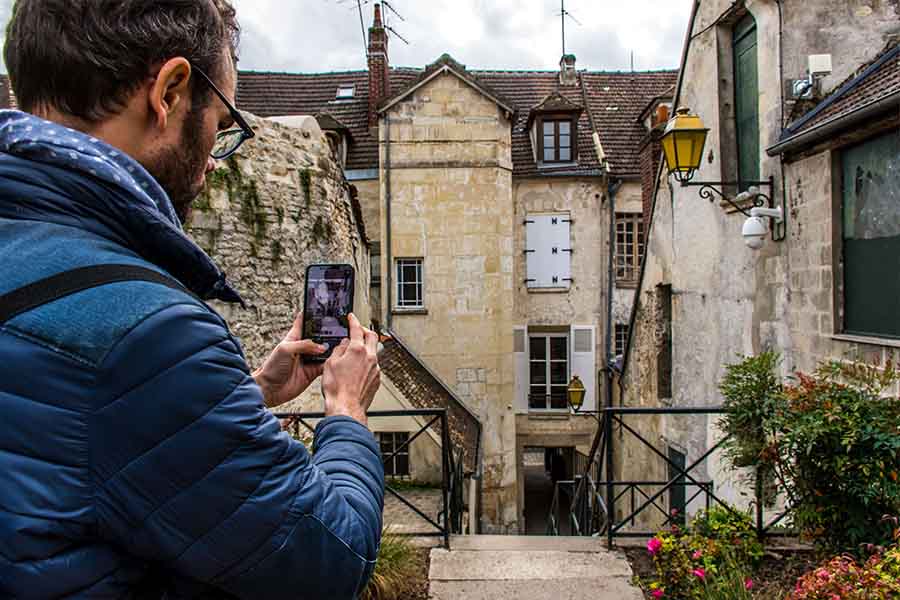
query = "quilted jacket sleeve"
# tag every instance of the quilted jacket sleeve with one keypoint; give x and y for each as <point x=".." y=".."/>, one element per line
<point x="191" y="470"/>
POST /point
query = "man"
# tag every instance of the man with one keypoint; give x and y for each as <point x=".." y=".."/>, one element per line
<point x="137" y="454"/>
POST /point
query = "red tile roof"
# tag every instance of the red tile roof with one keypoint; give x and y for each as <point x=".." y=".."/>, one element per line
<point x="874" y="81"/>
<point x="614" y="99"/>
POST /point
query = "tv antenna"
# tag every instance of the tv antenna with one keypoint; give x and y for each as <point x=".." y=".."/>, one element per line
<point x="387" y="25"/>
<point x="362" y="25"/>
<point x="563" y="13"/>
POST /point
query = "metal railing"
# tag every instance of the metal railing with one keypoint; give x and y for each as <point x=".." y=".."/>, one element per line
<point x="449" y="520"/>
<point x="598" y="494"/>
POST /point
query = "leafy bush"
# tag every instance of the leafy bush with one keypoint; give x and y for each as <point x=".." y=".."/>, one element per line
<point x="839" y="453"/>
<point x="396" y="567"/>
<point x="843" y="578"/>
<point x="710" y="560"/>
<point x="831" y="442"/>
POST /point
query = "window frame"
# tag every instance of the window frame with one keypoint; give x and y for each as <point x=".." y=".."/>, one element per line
<point x="351" y="87"/>
<point x="556" y="119"/>
<point x="399" y="263"/>
<point x="622" y="331"/>
<point x="548" y="361"/>
<point x="390" y="465"/>
<point x="839" y="257"/>
<point x="630" y="266"/>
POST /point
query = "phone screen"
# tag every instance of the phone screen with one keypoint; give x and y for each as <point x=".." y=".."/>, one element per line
<point x="328" y="303"/>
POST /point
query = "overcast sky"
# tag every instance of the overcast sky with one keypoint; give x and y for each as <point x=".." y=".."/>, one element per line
<point x="325" y="35"/>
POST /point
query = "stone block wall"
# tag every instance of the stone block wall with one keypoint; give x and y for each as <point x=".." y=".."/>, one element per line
<point x="451" y="185"/>
<point x="279" y="205"/>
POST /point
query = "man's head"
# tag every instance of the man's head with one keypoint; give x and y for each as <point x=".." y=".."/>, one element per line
<point x="124" y="71"/>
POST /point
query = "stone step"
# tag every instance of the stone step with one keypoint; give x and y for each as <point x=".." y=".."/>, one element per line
<point x="463" y="565"/>
<point x="536" y="589"/>
<point x="527" y="542"/>
<point x="529" y="568"/>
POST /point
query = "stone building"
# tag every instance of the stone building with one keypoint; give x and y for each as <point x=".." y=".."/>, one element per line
<point x="809" y="95"/>
<point x="487" y="197"/>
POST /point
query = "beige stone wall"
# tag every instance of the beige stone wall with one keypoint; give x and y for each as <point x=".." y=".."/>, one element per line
<point x="280" y="205"/>
<point x="727" y="299"/>
<point x="451" y="203"/>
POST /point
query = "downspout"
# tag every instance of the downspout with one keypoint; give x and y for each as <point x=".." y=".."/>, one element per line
<point x="608" y="361"/>
<point x="387" y="218"/>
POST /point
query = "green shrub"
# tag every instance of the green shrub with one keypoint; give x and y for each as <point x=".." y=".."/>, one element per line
<point x="838" y="453"/>
<point x="731" y="527"/>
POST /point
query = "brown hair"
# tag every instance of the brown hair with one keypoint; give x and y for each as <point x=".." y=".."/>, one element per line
<point x="85" y="58"/>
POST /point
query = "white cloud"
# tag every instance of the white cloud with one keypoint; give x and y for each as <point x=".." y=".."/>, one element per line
<point x="325" y="35"/>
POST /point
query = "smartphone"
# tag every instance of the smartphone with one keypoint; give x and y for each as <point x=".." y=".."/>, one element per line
<point x="328" y="302"/>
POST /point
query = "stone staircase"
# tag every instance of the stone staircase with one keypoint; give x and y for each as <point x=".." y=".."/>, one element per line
<point x="488" y="567"/>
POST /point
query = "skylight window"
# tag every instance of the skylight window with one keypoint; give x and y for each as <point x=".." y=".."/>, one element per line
<point x="345" y="92"/>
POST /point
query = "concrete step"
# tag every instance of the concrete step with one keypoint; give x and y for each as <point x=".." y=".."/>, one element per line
<point x="567" y="589"/>
<point x="529" y="568"/>
<point x="527" y="542"/>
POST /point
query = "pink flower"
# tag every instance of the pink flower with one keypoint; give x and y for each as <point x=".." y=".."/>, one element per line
<point x="700" y="573"/>
<point x="653" y="546"/>
<point x="657" y="594"/>
<point x="748" y="584"/>
<point x="697" y="555"/>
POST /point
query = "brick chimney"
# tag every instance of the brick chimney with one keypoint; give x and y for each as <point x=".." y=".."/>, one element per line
<point x="650" y="156"/>
<point x="379" y="68"/>
<point x="567" y="74"/>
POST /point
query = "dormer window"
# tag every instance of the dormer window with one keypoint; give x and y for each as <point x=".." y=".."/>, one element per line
<point x="345" y="92"/>
<point x="557" y="140"/>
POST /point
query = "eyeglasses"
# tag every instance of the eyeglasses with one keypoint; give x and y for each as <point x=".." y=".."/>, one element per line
<point x="227" y="142"/>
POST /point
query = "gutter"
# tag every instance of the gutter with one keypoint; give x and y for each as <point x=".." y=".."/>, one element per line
<point x="830" y="126"/>
<point x="387" y="218"/>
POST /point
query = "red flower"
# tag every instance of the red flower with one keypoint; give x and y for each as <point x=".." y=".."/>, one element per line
<point x="700" y="573"/>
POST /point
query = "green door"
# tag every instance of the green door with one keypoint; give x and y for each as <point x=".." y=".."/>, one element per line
<point x="746" y="100"/>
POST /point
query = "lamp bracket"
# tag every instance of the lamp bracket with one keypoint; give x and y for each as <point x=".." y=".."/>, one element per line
<point x="709" y="191"/>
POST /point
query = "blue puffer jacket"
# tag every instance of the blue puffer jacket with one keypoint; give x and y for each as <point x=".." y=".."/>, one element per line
<point x="137" y="457"/>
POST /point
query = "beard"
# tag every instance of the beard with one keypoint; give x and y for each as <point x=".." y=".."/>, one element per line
<point x="178" y="170"/>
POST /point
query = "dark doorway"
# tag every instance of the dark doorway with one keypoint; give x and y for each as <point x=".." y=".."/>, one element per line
<point x="543" y="468"/>
<point x="677" y="498"/>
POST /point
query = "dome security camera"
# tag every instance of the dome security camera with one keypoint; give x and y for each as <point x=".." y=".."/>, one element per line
<point x="756" y="227"/>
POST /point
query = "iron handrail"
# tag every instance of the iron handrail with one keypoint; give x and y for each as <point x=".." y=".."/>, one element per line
<point x="449" y="519"/>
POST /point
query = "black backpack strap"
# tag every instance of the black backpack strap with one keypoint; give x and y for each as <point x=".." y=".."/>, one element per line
<point x="67" y="283"/>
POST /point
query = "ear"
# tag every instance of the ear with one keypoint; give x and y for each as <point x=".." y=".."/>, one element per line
<point x="170" y="90"/>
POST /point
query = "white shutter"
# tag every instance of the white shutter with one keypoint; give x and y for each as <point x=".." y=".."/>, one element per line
<point x="520" y="367"/>
<point x="548" y="251"/>
<point x="584" y="362"/>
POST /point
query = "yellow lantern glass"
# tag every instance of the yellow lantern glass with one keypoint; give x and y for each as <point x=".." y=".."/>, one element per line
<point x="576" y="393"/>
<point x="683" y="142"/>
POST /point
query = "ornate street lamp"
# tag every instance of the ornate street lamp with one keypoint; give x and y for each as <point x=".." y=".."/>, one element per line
<point x="683" y="142"/>
<point x="575" y="392"/>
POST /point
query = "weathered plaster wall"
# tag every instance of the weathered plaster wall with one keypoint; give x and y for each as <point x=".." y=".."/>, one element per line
<point x="278" y="206"/>
<point x="727" y="299"/>
<point x="452" y="204"/>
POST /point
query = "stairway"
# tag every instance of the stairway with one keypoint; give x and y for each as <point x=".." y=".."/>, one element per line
<point x="488" y="567"/>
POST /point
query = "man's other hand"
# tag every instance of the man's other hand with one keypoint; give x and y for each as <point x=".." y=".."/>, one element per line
<point x="352" y="376"/>
<point x="285" y="375"/>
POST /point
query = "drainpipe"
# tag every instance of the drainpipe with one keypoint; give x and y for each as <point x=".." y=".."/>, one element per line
<point x="608" y="357"/>
<point x="387" y="236"/>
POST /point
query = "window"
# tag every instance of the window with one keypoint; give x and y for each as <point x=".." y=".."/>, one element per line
<point x="409" y="283"/>
<point x="746" y="100"/>
<point x="345" y="92"/>
<point x="871" y="236"/>
<point x="664" y="351"/>
<point x="375" y="264"/>
<point x="390" y="442"/>
<point x="549" y="371"/>
<point x="556" y="140"/>
<point x="621" y="338"/>
<point x="629" y="246"/>
<point x="548" y="251"/>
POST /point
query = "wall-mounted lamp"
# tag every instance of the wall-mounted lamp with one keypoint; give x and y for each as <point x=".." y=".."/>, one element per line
<point x="575" y="393"/>
<point x="683" y="142"/>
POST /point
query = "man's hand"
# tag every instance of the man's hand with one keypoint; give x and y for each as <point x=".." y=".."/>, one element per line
<point x="352" y="375"/>
<point x="285" y="375"/>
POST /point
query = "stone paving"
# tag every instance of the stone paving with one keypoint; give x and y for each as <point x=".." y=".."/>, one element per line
<point x="399" y="518"/>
